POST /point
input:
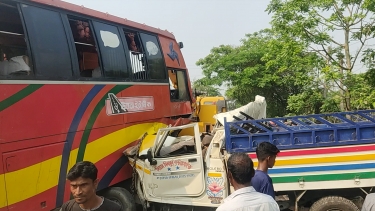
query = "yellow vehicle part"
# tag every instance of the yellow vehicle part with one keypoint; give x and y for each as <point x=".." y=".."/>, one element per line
<point x="206" y="108"/>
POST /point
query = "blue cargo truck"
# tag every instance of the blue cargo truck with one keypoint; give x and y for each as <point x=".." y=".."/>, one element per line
<point x="327" y="161"/>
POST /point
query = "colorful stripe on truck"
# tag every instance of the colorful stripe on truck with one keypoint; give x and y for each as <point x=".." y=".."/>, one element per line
<point x="324" y="168"/>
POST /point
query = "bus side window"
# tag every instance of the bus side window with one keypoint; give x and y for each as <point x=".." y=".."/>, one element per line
<point x="48" y="42"/>
<point x="155" y="61"/>
<point x="87" y="55"/>
<point x="178" y="85"/>
<point x="14" y="58"/>
<point x="137" y="56"/>
<point x="111" y="50"/>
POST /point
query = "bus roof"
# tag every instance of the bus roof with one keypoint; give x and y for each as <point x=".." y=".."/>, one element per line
<point x="101" y="15"/>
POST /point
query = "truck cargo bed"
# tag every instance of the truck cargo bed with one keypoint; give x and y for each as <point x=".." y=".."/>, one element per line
<point x="296" y="132"/>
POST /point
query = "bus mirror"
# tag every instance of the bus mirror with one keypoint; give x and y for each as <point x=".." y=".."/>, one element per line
<point x="181" y="45"/>
<point x="150" y="158"/>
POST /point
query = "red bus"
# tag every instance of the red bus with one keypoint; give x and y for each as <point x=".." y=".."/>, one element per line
<point x="78" y="84"/>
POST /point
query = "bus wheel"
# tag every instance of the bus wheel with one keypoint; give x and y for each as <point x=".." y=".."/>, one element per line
<point x="122" y="197"/>
<point x="333" y="203"/>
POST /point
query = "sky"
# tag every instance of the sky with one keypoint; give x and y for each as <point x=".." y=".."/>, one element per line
<point x="200" y="24"/>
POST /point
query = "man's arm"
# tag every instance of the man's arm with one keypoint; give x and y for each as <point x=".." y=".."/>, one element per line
<point x="269" y="206"/>
<point x="267" y="188"/>
<point x="220" y="208"/>
<point x="273" y="207"/>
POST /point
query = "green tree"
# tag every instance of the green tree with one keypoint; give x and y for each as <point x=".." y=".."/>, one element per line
<point x="264" y="64"/>
<point x="338" y="30"/>
<point x="202" y="87"/>
<point x="369" y="60"/>
<point x="363" y="93"/>
<point x="307" y="102"/>
<point x="370" y="77"/>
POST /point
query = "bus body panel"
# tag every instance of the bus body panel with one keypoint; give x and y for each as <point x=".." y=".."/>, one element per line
<point x="172" y="53"/>
<point x="33" y="173"/>
<point x="48" y="123"/>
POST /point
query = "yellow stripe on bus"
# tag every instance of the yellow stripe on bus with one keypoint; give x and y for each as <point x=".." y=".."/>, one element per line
<point x="30" y="181"/>
<point x="336" y="159"/>
<point x="3" y="198"/>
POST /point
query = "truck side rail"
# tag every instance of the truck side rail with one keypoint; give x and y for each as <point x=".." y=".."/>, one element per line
<point x="295" y="132"/>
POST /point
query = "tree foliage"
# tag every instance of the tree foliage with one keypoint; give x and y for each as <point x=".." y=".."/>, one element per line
<point x="363" y="94"/>
<point x="338" y="30"/>
<point x="202" y="87"/>
<point x="306" y="63"/>
<point x="264" y="64"/>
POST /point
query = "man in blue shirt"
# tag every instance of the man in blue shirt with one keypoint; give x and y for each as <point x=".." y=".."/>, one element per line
<point x="266" y="154"/>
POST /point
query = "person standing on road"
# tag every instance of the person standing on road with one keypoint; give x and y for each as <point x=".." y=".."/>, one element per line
<point x="83" y="183"/>
<point x="245" y="197"/>
<point x="262" y="182"/>
<point x="369" y="203"/>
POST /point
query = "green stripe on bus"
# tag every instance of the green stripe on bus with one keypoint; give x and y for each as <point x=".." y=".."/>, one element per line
<point x="19" y="96"/>
<point x="94" y="115"/>
<point x="324" y="177"/>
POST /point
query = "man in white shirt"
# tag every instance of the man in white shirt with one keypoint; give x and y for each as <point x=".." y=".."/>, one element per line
<point x="15" y="64"/>
<point x="245" y="198"/>
<point x="369" y="203"/>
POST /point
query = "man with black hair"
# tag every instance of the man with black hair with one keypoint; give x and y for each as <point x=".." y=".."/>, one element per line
<point x="83" y="183"/>
<point x="266" y="154"/>
<point x="245" y="197"/>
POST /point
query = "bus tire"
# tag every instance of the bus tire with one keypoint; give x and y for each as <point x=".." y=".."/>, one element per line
<point x="122" y="197"/>
<point x="333" y="202"/>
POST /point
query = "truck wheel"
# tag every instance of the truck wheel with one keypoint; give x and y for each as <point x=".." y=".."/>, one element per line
<point x="334" y="203"/>
<point x="122" y="197"/>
